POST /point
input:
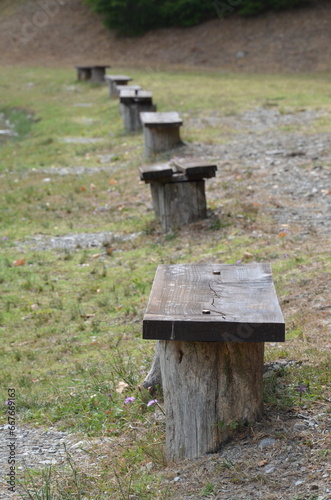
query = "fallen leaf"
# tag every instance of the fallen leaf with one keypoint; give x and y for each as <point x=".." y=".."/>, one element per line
<point x="82" y="188"/>
<point x="112" y="181"/>
<point x="110" y="250"/>
<point x="262" y="463"/>
<point x="97" y="255"/>
<point x="19" y="262"/>
<point x="282" y="234"/>
<point x="121" y="387"/>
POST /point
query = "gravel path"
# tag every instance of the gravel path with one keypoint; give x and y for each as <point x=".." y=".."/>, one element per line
<point x="37" y="447"/>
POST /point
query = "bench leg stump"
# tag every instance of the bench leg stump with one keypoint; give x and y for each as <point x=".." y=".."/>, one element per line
<point x="207" y="386"/>
<point x="159" y="139"/>
<point x="98" y="75"/>
<point x="177" y="204"/>
<point x="84" y="74"/>
<point x="131" y="115"/>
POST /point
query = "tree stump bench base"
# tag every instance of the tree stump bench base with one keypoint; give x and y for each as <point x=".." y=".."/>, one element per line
<point x="161" y="131"/>
<point x="94" y="73"/>
<point x="211" y="321"/>
<point x="114" y="81"/>
<point x="132" y="103"/>
<point x="178" y="192"/>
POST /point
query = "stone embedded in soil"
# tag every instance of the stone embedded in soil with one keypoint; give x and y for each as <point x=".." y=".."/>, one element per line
<point x="300" y="427"/>
<point x="267" y="443"/>
<point x="81" y="140"/>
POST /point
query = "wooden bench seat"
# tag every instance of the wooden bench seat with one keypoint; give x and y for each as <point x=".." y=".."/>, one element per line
<point x="211" y="322"/>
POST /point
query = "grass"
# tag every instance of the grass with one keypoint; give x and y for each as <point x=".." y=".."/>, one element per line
<point x="70" y="320"/>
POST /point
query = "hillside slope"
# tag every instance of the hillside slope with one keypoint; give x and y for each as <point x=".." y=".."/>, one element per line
<point x="294" y="41"/>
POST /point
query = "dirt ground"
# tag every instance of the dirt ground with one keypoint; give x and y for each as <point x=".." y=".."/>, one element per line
<point x="68" y="33"/>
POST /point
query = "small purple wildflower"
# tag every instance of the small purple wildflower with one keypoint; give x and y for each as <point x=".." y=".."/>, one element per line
<point x="129" y="400"/>
<point x="301" y="389"/>
<point x="4" y="238"/>
<point x="152" y="402"/>
<point x="238" y="261"/>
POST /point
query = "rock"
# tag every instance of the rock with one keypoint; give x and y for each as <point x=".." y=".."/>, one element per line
<point x="266" y="443"/>
<point x="300" y="427"/>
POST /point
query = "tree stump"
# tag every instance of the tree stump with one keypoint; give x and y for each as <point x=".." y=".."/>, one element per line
<point x="207" y="387"/>
<point x="179" y="203"/>
<point x="211" y="321"/>
<point x="132" y="103"/>
<point x="161" y="132"/>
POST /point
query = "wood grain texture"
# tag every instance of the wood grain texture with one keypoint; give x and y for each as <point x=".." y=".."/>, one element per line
<point x="195" y="167"/>
<point x="155" y="172"/>
<point x="179" y="203"/>
<point x="207" y="387"/>
<point x="160" y="138"/>
<point x="241" y="300"/>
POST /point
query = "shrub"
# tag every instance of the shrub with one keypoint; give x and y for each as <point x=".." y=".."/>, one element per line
<point x="134" y="17"/>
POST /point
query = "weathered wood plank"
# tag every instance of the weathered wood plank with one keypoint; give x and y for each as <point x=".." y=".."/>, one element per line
<point x="126" y="88"/>
<point x="194" y="167"/>
<point x="134" y="94"/>
<point x="155" y="172"/>
<point x="119" y="78"/>
<point x="161" y="119"/>
<point x="192" y="302"/>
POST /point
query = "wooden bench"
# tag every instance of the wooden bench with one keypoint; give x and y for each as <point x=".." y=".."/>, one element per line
<point x="178" y="191"/>
<point x="211" y="322"/>
<point x="113" y="81"/>
<point x="132" y="103"/>
<point x="161" y="131"/>
<point x="94" y="73"/>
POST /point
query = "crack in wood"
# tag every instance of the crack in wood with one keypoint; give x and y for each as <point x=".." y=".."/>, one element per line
<point x="213" y="302"/>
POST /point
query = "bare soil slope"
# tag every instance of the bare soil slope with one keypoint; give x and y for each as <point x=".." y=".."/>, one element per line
<point x="68" y="34"/>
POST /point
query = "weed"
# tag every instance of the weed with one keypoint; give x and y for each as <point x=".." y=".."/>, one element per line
<point x="208" y="489"/>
